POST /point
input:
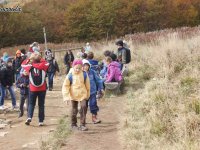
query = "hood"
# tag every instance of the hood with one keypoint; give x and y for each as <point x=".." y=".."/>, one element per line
<point x="85" y="61"/>
<point x="93" y="62"/>
<point x="115" y="64"/>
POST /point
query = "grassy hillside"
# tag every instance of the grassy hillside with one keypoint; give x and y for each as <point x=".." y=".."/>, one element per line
<point x="163" y="103"/>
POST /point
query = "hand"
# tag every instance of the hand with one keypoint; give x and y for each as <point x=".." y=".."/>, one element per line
<point x="67" y="102"/>
<point x="7" y="86"/>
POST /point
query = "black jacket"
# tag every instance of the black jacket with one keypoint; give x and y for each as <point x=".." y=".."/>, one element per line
<point x="9" y="76"/>
<point x="17" y="64"/>
<point x="2" y="76"/>
<point x="68" y="58"/>
<point x="53" y="66"/>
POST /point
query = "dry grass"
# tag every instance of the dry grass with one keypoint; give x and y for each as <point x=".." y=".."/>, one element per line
<point x="164" y="113"/>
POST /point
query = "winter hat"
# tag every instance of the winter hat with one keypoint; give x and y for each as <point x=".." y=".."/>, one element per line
<point x="77" y="62"/>
<point x="85" y="61"/>
<point x="36" y="49"/>
<point x="18" y="52"/>
<point x="120" y="43"/>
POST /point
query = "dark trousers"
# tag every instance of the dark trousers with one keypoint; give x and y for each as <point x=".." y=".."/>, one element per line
<point x="24" y="98"/>
<point x="93" y="104"/>
<point x="41" y="101"/>
<point x="74" y="112"/>
<point x="50" y="79"/>
<point x="68" y="68"/>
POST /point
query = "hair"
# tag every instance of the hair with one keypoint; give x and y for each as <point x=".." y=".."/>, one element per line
<point x="23" y="51"/>
<point x="108" y="59"/>
<point x="113" y="56"/>
<point x="107" y="53"/>
<point x="90" y="55"/>
<point x="84" y="56"/>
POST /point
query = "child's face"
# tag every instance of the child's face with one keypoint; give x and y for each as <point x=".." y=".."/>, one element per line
<point x="86" y="67"/>
<point x="18" y="55"/>
<point x="107" y="62"/>
<point x="77" y="68"/>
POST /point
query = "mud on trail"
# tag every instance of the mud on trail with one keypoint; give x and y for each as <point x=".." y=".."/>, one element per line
<point x="18" y="136"/>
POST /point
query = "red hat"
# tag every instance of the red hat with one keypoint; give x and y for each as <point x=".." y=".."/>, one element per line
<point x="77" y="62"/>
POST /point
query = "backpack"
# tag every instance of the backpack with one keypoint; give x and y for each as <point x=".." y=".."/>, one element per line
<point x="71" y="79"/>
<point x="128" y="55"/>
<point x="37" y="77"/>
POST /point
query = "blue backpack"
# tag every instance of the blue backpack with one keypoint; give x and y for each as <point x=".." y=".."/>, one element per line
<point x="71" y="79"/>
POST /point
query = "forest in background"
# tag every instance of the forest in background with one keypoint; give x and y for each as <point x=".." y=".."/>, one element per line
<point x="92" y="20"/>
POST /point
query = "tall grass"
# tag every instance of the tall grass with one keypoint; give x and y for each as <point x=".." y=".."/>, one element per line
<point x="164" y="113"/>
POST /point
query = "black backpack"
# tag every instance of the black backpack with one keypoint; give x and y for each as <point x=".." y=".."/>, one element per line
<point x="37" y="77"/>
<point x="128" y="55"/>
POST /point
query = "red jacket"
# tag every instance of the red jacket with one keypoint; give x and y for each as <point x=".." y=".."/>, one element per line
<point x="42" y="65"/>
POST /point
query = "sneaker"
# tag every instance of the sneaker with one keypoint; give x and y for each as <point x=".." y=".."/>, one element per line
<point x="83" y="128"/>
<point x="95" y="120"/>
<point x="28" y="121"/>
<point x="2" y="107"/>
<point x="74" y="127"/>
<point x="15" y="107"/>
<point x="41" y="124"/>
<point x="20" y="114"/>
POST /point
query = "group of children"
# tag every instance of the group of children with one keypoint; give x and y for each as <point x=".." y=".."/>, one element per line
<point x="83" y="84"/>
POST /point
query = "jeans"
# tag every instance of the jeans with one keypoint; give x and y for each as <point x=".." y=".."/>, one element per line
<point x="41" y="101"/>
<point x="23" y="98"/>
<point x="17" y="75"/>
<point x="12" y="93"/>
<point x="93" y="104"/>
<point x="50" y="79"/>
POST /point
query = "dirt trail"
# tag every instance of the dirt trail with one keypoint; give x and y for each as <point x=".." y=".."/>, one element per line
<point x="99" y="137"/>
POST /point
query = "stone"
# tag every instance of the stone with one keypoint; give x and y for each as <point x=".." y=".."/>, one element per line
<point x="3" y="134"/>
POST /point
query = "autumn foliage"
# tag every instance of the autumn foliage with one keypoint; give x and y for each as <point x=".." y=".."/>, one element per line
<point x="80" y="20"/>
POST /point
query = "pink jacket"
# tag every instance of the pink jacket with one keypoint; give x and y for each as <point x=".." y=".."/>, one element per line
<point x="114" y="72"/>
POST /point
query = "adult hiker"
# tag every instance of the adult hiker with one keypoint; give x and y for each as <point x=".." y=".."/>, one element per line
<point x="123" y="54"/>
<point x="76" y="88"/>
<point x="68" y="60"/>
<point x="17" y="64"/>
<point x="87" y="48"/>
<point x="53" y="68"/>
<point x="36" y="67"/>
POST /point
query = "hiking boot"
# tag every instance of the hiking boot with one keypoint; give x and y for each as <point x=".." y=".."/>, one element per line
<point x="41" y="124"/>
<point x="28" y="121"/>
<point x="15" y="107"/>
<point x="50" y="89"/>
<point x="83" y="128"/>
<point x="95" y="120"/>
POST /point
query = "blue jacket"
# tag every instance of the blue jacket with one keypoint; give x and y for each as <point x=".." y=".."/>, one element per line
<point x="96" y="84"/>
<point x="104" y="71"/>
<point x="94" y="64"/>
<point x="25" y="81"/>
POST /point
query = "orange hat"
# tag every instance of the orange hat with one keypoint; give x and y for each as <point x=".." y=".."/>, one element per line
<point x="18" y="52"/>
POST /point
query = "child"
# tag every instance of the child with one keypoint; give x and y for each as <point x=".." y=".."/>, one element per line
<point x="7" y="83"/>
<point x="23" y="84"/>
<point x="96" y="84"/>
<point x="76" y="88"/>
<point x="114" y="73"/>
<point x="104" y="70"/>
<point x="68" y="59"/>
<point x="94" y="63"/>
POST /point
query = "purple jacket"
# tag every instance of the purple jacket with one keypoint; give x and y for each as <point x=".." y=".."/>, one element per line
<point x="114" y="73"/>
